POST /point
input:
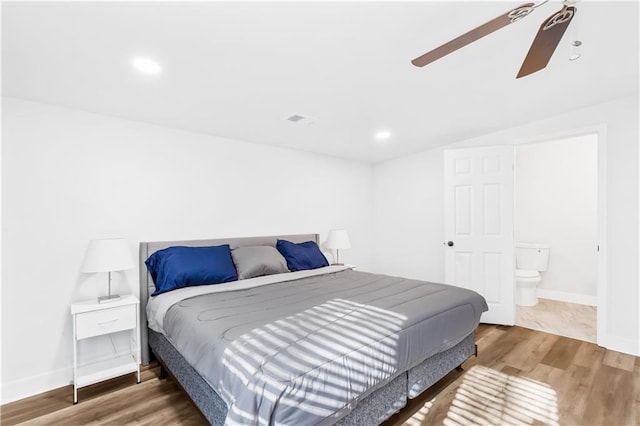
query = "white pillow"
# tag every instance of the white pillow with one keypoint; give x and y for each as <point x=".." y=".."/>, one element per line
<point x="329" y="256"/>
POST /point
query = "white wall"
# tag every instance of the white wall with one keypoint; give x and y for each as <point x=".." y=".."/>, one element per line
<point x="70" y="176"/>
<point x="409" y="216"/>
<point x="556" y="195"/>
<point x="407" y="196"/>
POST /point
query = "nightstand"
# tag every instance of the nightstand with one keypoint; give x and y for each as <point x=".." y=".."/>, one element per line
<point x="346" y="265"/>
<point x="91" y="319"/>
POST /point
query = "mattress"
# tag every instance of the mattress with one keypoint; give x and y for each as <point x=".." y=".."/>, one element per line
<point x="306" y="350"/>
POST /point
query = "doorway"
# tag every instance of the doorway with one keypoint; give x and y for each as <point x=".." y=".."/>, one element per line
<point x="460" y="260"/>
<point x="556" y="205"/>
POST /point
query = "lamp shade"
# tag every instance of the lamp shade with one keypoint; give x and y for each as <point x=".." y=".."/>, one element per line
<point x="338" y="239"/>
<point x="107" y="255"/>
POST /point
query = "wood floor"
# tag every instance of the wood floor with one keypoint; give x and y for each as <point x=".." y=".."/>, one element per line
<point x="520" y="376"/>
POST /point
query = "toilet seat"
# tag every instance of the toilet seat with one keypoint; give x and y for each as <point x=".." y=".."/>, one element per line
<point x="527" y="275"/>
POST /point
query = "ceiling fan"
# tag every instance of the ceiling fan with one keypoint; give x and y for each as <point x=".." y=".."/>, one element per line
<point x="541" y="50"/>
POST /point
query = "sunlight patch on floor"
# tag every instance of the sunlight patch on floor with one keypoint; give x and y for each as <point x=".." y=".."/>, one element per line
<point x="486" y="396"/>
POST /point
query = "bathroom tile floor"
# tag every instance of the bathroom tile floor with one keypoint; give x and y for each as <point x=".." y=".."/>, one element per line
<point x="561" y="318"/>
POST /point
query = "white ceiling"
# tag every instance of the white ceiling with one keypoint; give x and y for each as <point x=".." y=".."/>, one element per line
<point x="236" y="69"/>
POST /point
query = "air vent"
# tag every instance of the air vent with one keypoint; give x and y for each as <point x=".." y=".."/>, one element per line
<point x="300" y="119"/>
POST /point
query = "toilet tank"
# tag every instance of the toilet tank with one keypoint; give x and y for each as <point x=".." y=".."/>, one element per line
<point x="532" y="257"/>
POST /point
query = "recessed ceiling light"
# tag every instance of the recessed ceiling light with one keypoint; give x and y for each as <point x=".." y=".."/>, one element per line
<point x="383" y="135"/>
<point x="146" y="65"/>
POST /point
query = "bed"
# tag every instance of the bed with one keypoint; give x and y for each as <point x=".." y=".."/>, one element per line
<point x="328" y="346"/>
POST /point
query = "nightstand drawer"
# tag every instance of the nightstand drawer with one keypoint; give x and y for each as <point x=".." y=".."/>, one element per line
<point x="105" y="321"/>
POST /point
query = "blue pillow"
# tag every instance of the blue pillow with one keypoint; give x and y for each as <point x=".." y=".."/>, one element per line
<point x="303" y="256"/>
<point x="177" y="267"/>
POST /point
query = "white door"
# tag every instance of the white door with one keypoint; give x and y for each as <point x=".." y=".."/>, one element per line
<point x="479" y="241"/>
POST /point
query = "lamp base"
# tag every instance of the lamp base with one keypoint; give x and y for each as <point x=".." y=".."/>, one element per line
<point x="337" y="264"/>
<point x="108" y="299"/>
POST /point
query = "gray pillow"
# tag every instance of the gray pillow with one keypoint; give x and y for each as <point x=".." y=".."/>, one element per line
<point x="255" y="261"/>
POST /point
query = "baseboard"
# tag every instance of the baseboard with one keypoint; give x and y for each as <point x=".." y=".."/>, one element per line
<point x="44" y="382"/>
<point x="23" y="388"/>
<point x="561" y="296"/>
<point x="621" y="344"/>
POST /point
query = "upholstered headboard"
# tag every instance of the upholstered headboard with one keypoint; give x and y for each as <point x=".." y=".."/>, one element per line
<point x="148" y="248"/>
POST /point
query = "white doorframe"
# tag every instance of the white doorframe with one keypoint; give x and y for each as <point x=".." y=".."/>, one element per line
<point x="603" y="276"/>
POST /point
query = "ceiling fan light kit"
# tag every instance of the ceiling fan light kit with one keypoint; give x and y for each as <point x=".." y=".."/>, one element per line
<point x="544" y="44"/>
<point x="576" y="54"/>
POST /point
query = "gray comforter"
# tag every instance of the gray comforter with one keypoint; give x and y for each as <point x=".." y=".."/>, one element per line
<point x="304" y="352"/>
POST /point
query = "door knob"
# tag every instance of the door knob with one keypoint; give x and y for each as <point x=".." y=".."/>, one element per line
<point x="450" y="243"/>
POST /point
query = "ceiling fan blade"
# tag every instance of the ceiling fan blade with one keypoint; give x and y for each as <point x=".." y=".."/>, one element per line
<point x="546" y="41"/>
<point x="475" y="34"/>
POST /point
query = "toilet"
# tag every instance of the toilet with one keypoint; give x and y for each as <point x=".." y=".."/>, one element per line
<point x="531" y="259"/>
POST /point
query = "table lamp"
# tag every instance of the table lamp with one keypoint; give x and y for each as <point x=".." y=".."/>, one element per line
<point x="337" y="240"/>
<point x="107" y="255"/>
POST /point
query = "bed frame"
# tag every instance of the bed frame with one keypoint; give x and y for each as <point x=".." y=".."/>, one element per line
<point x="372" y="408"/>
